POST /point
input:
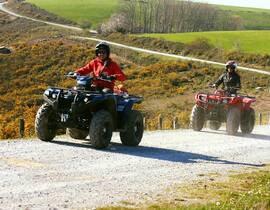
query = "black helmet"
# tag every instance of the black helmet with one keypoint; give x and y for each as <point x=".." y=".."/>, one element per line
<point x="231" y="64"/>
<point x="103" y="45"/>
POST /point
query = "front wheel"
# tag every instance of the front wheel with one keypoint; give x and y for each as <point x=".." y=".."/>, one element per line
<point x="233" y="120"/>
<point x="101" y="128"/>
<point x="247" y="121"/>
<point x="197" y="118"/>
<point x="214" y="125"/>
<point x="134" y="129"/>
<point x="45" y="126"/>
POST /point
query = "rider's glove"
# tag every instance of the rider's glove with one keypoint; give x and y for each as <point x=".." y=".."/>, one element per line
<point x="103" y="74"/>
<point x="72" y="74"/>
<point x="111" y="77"/>
<point x="212" y="85"/>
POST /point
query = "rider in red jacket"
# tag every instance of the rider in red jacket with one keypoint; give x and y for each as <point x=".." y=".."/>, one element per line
<point x="103" y="66"/>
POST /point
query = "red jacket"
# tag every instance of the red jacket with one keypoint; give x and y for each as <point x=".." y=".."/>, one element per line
<point x="96" y="67"/>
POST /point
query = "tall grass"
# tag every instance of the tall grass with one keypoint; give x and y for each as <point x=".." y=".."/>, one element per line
<point x="80" y="11"/>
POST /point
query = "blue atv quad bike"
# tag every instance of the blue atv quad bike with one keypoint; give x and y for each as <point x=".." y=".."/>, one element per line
<point x="85" y="110"/>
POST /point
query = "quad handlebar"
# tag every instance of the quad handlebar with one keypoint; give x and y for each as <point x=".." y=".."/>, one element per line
<point x="102" y="77"/>
<point x="227" y="89"/>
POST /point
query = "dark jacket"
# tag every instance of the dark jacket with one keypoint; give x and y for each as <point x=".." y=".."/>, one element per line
<point x="229" y="81"/>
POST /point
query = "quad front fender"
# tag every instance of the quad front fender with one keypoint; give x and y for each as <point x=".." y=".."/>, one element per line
<point x="247" y="102"/>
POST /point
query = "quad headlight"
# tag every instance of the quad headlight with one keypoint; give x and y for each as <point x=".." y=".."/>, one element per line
<point x="51" y="93"/>
<point x="54" y="95"/>
<point x="203" y="98"/>
<point x="47" y="92"/>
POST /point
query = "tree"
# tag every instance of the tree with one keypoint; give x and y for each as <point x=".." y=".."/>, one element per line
<point x="167" y="16"/>
<point x="117" y="23"/>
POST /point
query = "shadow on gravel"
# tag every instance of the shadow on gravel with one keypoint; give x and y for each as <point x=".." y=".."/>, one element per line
<point x="158" y="153"/>
<point x="257" y="136"/>
<point x="251" y="136"/>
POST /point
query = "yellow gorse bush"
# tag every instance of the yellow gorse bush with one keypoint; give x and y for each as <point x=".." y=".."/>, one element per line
<point x="32" y="67"/>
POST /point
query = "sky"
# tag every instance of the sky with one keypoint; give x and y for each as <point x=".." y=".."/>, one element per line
<point x="265" y="4"/>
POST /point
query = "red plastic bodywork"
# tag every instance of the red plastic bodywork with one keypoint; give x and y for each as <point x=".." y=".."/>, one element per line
<point x="220" y="97"/>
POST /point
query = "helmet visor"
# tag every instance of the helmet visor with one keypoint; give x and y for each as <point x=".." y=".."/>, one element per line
<point x="102" y="51"/>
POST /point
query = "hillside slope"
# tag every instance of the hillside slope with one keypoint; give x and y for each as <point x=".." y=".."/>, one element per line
<point x="165" y="84"/>
<point x="99" y="11"/>
<point x="253" y="18"/>
<point x="243" y="41"/>
<point x="87" y="12"/>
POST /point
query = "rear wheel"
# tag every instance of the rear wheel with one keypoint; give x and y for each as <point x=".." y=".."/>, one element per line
<point x="77" y="133"/>
<point x="214" y="125"/>
<point x="233" y="120"/>
<point x="45" y="126"/>
<point x="101" y="128"/>
<point x="197" y="118"/>
<point x="247" y="121"/>
<point x="134" y="129"/>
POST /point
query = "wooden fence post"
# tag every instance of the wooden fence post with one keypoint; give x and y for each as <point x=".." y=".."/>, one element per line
<point x="21" y="127"/>
<point x="175" y="123"/>
<point x="260" y="118"/>
<point x="160" y="119"/>
<point x="145" y="123"/>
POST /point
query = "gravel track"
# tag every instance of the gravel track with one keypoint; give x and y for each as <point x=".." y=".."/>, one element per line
<point x="70" y="174"/>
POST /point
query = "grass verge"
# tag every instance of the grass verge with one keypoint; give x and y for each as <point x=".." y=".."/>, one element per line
<point x="250" y="190"/>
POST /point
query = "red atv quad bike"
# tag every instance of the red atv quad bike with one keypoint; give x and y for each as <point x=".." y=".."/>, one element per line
<point x="220" y="106"/>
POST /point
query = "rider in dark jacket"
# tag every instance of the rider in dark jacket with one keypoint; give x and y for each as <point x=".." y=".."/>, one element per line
<point x="230" y="79"/>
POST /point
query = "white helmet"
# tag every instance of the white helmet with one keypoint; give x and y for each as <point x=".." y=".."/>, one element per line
<point x="231" y="64"/>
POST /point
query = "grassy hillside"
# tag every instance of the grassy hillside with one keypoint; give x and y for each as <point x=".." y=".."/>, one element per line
<point x="93" y="11"/>
<point x="165" y="85"/>
<point x="244" y="9"/>
<point x="245" y="41"/>
<point x="253" y="18"/>
<point x="199" y="48"/>
<point x="96" y="11"/>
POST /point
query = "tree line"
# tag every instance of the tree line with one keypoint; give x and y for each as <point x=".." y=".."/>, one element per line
<point x="170" y="16"/>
